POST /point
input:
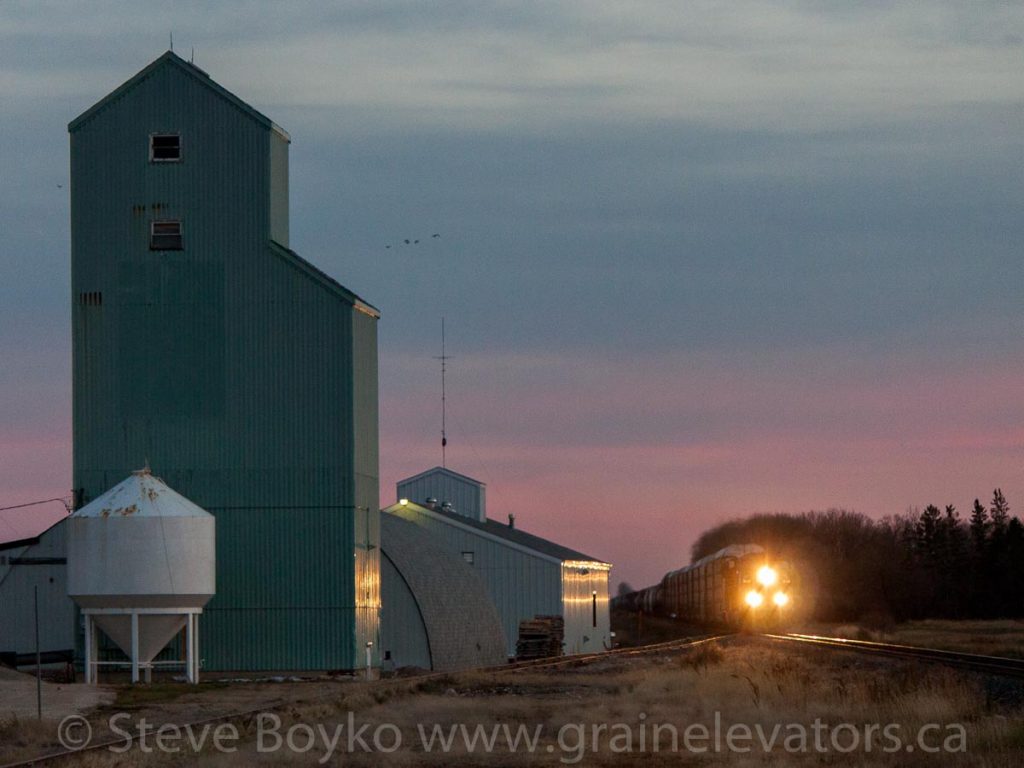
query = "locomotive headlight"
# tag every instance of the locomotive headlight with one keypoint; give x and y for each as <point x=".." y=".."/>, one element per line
<point x="766" y="576"/>
<point x="754" y="598"/>
<point x="780" y="599"/>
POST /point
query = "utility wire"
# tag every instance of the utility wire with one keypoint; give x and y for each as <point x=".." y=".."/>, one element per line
<point x="63" y="501"/>
<point x="14" y="531"/>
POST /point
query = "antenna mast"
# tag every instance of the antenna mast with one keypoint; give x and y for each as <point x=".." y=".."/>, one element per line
<point x="444" y="366"/>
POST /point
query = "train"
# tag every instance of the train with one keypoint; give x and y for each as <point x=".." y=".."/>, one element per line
<point x="740" y="586"/>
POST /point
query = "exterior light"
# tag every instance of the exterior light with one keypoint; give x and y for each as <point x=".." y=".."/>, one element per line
<point x="766" y="576"/>
<point x="780" y="599"/>
<point x="404" y="502"/>
<point x="754" y="599"/>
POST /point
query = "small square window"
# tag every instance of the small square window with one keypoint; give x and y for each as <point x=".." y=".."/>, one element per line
<point x="468" y="557"/>
<point x="165" y="148"/>
<point x="165" y="235"/>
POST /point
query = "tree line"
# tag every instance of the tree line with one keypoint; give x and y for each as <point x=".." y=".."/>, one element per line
<point x="930" y="563"/>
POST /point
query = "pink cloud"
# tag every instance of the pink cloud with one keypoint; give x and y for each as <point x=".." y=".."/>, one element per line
<point x="31" y="469"/>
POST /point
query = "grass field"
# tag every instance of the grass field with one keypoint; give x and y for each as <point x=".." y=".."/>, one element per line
<point x="613" y="712"/>
<point x="995" y="638"/>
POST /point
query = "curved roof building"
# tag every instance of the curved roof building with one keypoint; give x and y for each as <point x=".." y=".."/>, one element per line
<point x="436" y="611"/>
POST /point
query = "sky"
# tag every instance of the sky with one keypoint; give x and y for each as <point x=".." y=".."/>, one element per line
<point x="697" y="259"/>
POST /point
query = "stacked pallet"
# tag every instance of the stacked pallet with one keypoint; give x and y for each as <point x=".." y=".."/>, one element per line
<point x="540" y="637"/>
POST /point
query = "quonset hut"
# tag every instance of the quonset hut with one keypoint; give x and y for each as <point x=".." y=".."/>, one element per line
<point x="524" y="575"/>
<point x="436" y="612"/>
<point x="203" y="345"/>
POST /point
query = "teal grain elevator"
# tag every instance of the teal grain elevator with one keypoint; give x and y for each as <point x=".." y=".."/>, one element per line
<point x="243" y="375"/>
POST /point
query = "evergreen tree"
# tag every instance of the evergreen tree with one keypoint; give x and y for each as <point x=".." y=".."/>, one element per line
<point x="1000" y="512"/>
<point x="981" y="566"/>
<point x="979" y="528"/>
<point x="1014" y="596"/>
<point x="928" y="533"/>
<point x="998" y="562"/>
<point x="954" y="561"/>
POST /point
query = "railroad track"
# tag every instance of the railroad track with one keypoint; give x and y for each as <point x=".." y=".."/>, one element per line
<point x="994" y="665"/>
<point x="588" y="658"/>
<point x="271" y="706"/>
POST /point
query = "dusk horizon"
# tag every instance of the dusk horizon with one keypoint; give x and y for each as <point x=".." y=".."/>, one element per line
<point x="685" y="277"/>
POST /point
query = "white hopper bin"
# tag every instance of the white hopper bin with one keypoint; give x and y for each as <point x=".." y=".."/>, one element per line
<point x="141" y="566"/>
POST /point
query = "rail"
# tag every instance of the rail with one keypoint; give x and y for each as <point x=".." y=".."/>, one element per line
<point x="995" y="665"/>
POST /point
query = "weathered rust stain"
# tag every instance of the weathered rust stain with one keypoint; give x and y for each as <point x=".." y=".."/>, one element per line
<point x="130" y="510"/>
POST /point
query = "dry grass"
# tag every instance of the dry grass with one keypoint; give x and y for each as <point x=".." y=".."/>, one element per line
<point x="995" y="638"/>
<point x="743" y="680"/>
<point x="24" y="737"/>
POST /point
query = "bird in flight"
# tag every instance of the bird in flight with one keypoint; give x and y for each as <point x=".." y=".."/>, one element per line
<point x="412" y="242"/>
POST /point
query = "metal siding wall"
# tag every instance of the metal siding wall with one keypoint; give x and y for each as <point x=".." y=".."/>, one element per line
<point x="581" y="636"/>
<point x="17" y="611"/>
<point x="467" y="498"/>
<point x="265" y="439"/>
<point x="366" y="472"/>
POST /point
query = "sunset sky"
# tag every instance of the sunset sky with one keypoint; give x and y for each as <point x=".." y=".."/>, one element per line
<point x="697" y="259"/>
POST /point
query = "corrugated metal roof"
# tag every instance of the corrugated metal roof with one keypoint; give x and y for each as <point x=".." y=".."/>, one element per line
<point x="503" y="531"/>
<point x="172" y="59"/>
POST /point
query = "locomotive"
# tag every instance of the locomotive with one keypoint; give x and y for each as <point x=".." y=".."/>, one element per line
<point x="739" y="586"/>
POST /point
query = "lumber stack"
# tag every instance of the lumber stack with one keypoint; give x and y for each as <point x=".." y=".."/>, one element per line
<point x="540" y="637"/>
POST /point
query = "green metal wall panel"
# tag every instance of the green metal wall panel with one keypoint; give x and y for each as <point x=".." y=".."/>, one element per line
<point x="240" y="375"/>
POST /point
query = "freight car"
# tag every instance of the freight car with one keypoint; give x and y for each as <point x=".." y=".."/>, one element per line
<point x="738" y="586"/>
